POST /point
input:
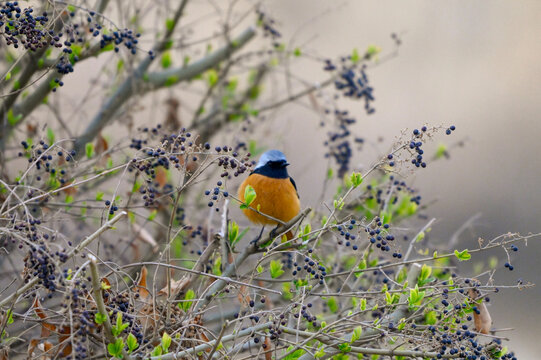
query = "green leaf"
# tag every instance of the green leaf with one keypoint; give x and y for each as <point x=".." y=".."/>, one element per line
<point x="100" y="318"/>
<point x="431" y="318"/>
<point x="10" y="317"/>
<point x="166" y="60"/>
<point x="286" y="291"/>
<point x="8" y="76"/>
<point x="115" y="349"/>
<point x="157" y="351"/>
<point x="233" y="232"/>
<point x="217" y="266"/>
<point x="186" y="304"/>
<point x="120" y="326"/>
<point x="463" y="255"/>
<point x="339" y="204"/>
<point x="99" y="196"/>
<point x="332" y="303"/>
<point x="171" y="80"/>
<point x="276" y="269"/>
<point x="249" y="195"/>
<point x="152" y="215"/>
<point x="132" y="343"/>
<point x="50" y="136"/>
<point x="259" y="269"/>
<point x="166" y="342"/>
<point x="357" y="332"/>
<point x="12" y="119"/>
<point x="297" y="52"/>
<point x="373" y="50"/>
<point x="441" y="151"/>
<point x="415" y="297"/>
<point x="344" y="348"/>
<point x="89" y="148"/>
<point x="108" y="47"/>
<point x="169" y="24"/>
<point x="212" y="77"/>
<point x="424" y="277"/>
<point x="362" y="306"/>
<point x="330" y="173"/>
<point x="306" y="231"/>
<point x="320" y="353"/>
<point x="355" y="56"/>
<point x="295" y="354"/>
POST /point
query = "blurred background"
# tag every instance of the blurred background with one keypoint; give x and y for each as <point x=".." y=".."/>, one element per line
<point x="473" y="64"/>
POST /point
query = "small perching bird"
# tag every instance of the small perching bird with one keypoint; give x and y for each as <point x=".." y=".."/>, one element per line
<point x="276" y="192"/>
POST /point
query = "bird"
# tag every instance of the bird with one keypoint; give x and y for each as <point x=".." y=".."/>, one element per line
<point x="276" y="191"/>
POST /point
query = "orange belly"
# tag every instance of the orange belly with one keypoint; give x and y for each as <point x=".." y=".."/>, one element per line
<point x="275" y="197"/>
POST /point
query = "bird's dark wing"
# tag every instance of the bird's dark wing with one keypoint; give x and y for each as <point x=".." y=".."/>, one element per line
<point x="294" y="185"/>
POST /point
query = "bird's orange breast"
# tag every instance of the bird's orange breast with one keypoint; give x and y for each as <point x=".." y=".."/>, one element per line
<point x="275" y="197"/>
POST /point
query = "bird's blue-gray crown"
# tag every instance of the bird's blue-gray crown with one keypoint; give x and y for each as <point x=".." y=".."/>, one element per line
<point x="271" y="156"/>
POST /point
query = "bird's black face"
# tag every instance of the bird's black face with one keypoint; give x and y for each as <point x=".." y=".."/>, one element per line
<point x="280" y="164"/>
<point x="276" y="169"/>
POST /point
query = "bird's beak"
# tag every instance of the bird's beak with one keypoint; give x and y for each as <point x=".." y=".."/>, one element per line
<point x="286" y="164"/>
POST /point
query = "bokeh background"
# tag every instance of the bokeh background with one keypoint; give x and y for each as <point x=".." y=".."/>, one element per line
<point x="474" y="64"/>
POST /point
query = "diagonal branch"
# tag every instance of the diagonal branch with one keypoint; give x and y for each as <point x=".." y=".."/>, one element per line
<point x="251" y="249"/>
<point x="137" y="82"/>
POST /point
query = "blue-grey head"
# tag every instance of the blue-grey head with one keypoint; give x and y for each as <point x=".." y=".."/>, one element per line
<point x="274" y="158"/>
<point x="272" y="163"/>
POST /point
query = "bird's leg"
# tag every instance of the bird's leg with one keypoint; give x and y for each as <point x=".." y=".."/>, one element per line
<point x="254" y="241"/>
<point x="273" y="232"/>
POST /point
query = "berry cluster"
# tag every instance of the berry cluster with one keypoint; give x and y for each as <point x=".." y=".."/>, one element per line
<point x="379" y="235"/>
<point x="268" y="25"/>
<point x="48" y="161"/>
<point x="22" y="27"/>
<point x="312" y="267"/>
<point x="352" y="83"/>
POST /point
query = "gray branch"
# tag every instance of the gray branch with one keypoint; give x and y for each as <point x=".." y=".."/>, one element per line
<point x="135" y="84"/>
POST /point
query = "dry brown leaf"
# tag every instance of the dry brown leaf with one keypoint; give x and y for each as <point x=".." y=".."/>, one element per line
<point x="46" y="328"/>
<point x="32" y="346"/>
<point x="31" y="129"/>
<point x="4" y="353"/>
<point x="141" y="286"/>
<point x="65" y="333"/>
<point x="268" y="352"/>
<point x="69" y="190"/>
<point x="483" y="320"/>
<point x="243" y="296"/>
<point x="161" y="176"/>
<point x="143" y="235"/>
<point x="176" y="286"/>
<point x="101" y="145"/>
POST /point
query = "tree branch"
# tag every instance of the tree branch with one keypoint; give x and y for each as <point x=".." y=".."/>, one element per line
<point x="108" y="225"/>
<point x="135" y="83"/>
<point x="251" y="249"/>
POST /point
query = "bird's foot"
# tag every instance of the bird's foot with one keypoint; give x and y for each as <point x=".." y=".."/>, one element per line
<point x="254" y="241"/>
